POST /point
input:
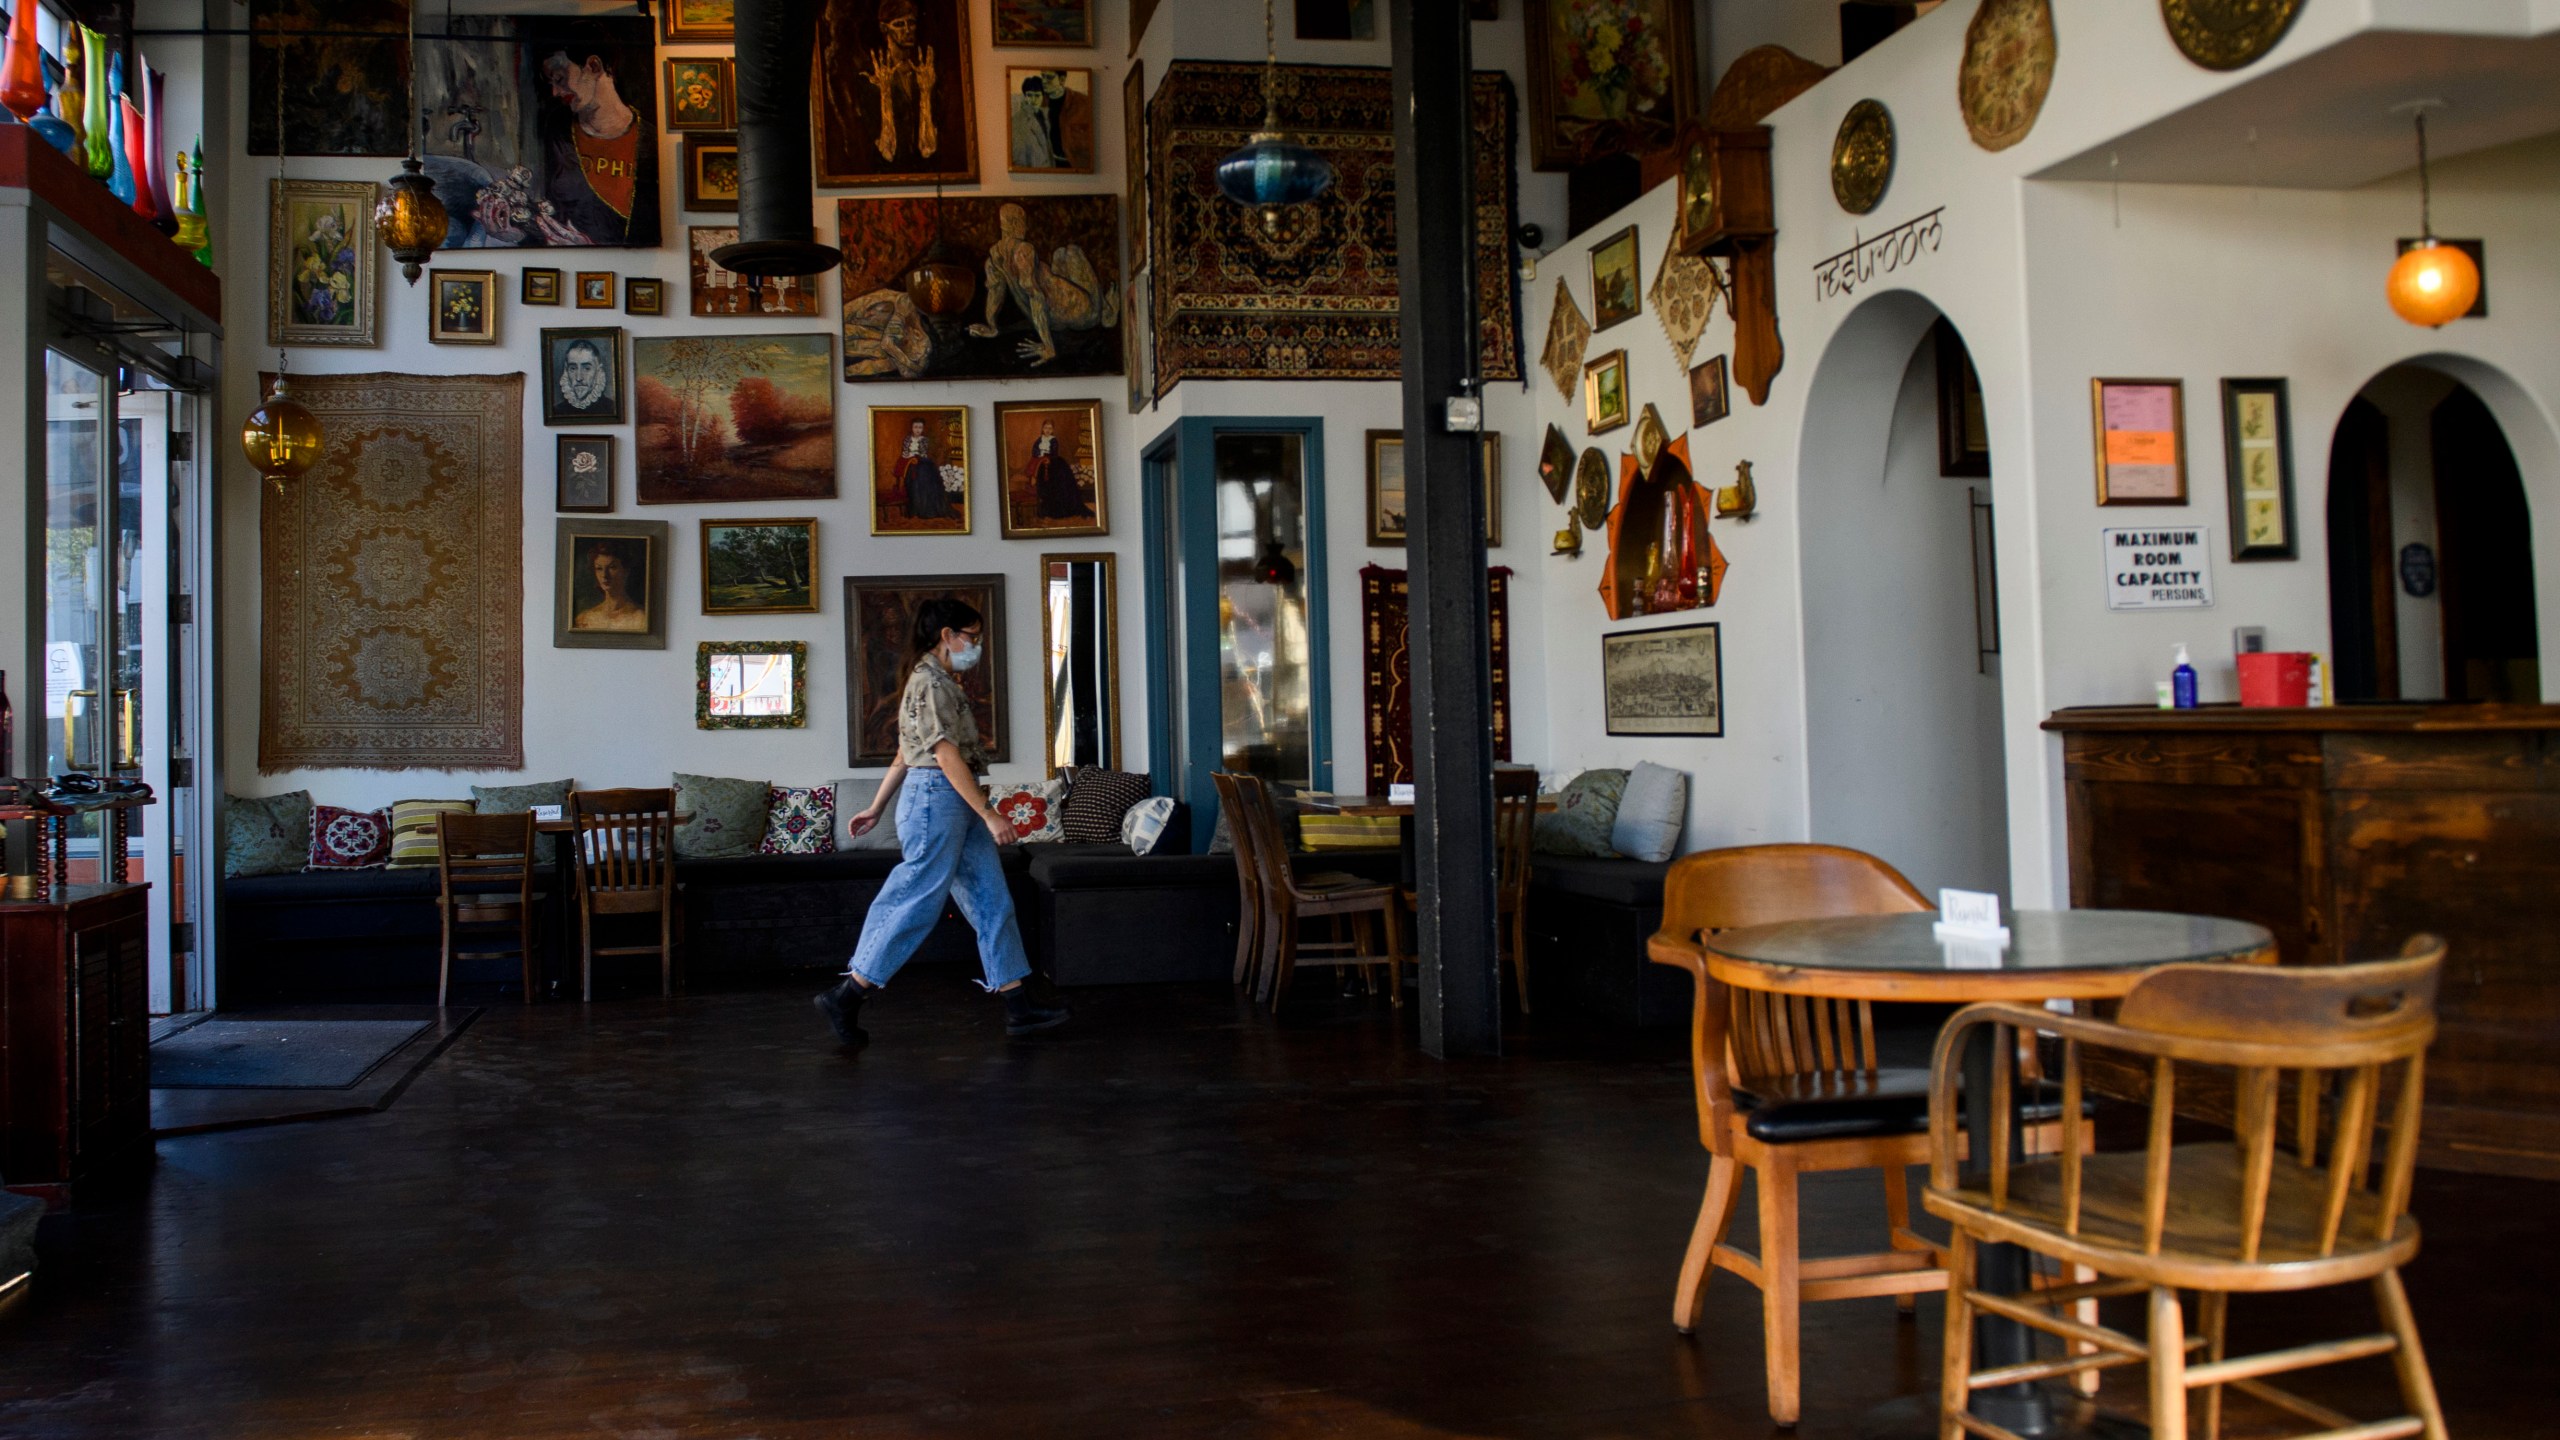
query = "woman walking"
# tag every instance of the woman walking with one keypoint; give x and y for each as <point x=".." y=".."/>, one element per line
<point x="947" y="833"/>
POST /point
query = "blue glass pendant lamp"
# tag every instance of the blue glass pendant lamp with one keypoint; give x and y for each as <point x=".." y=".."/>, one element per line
<point x="1271" y="171"/>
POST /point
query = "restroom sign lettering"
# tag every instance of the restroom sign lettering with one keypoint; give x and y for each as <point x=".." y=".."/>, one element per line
<point x="2162" y="567"/>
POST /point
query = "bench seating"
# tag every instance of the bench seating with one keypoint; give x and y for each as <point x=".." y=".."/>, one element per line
<point x="1589" y="919"/>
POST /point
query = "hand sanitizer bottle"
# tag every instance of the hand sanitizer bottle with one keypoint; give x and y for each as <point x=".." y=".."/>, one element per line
<point x="2182" y="681"/>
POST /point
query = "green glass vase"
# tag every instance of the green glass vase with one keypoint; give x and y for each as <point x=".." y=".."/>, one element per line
<point x="98" y="152"/>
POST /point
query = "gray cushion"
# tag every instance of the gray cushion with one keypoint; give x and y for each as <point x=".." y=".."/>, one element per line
<point x="1584" y="815"/>
<point x="1651" y="813"/>
<point x="728" y="816"/>
<point x="852" y="795"/>
<point x="266" y="834"/>
<point x="517" y="799"/>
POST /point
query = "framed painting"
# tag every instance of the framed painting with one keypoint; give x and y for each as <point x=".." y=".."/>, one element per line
<point x="595" y="289"/>
<point x="710" y="172"/>
<point x="1663" y="682"/>
<point x="699" y="19"/>
<point x="1615" y="269"/>
<point x="895" y="102"/>
<point x="644" y="297"/>
<point x="2140" y="429"/>
<point x="1709" y="401"/>
<point x="1606" y="77"/>
<point x="879" y="613"/>
<point x="539" y="287"/>
<point x="717" y="290"/>
<point x="321" y="263"/>
<point x="734" y="417"/>
<point x="702" y="93"/>
<point x="760" y="567"/>
<point x="1051" y="453"/>
<point x="919" y="470"/>
<point x="1064" y="320"/>
<point x="2257" y="450"/>
<point x="751" y="685"/>
<point x="341" y="90"/>
<point x="462" y="307"/>
<point x="1049" y="120"/>
<point x="1604" y="393"/>
<point x="1387" y="506"/>
<point x="582" y="377"/>
<point x="1964" y="436"/>
<point x="585" y="484"/>
<point x="609" y="585"/>
<point x="1059" y="23"/>
<point x="563" y="148"/>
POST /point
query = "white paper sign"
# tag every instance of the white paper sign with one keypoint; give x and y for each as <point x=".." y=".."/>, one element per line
<point x="1399" y="794"/>
<point x="546" y="812"/>
<point x="61" y="676"/>
<point x="1970" y="915"/>
<point x="2158" y="568"/>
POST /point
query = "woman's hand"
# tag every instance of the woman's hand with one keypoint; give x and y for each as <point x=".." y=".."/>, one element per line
<point x="862" y="824"/>
<point x="1001" y="828"/>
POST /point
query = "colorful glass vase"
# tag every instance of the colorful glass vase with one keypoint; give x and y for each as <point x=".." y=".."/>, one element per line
<point x="72" y="93"/>
<point x="22" y="69"/>
<point x="203" y="247"/>
<point x="164" y="207"/>
<point x="97" y="122"/>
<point x="124" y="126"/>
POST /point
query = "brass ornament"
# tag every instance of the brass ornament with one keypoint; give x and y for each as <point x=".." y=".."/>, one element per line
<point x="2227" y="34"/>
<point x="1568" y="335"/>
<point x="1651" y="436"/>
<point x="2007" y="68"/>
<point x="1741" y="499"/>
<point x="1862" y="157"/>
<point x="1591" y="489"/>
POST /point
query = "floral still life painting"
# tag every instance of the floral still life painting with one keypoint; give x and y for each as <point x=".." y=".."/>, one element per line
<point x="1606" y="77"/>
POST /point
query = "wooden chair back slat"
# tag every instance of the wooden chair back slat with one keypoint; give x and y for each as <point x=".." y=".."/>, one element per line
<point x="2348" y="1150"/>
<point x="2003" y="1088"/>
<point x="1249" y="901"/>
<point x="2071" y="1127"/>
<point x="485" y="852"/>
<point x="625" y="839"/>
<point x="2155" y="1170"/>
<point x="1515" y="826"/>
<point x="2315" y="1006"/>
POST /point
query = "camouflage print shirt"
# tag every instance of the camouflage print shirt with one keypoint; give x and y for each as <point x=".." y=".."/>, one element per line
<point x="933" y="710"/>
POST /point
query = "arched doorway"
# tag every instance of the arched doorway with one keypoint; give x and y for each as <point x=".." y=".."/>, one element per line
<point x="1904" y="738"/>
<point x="2431" y="573"/>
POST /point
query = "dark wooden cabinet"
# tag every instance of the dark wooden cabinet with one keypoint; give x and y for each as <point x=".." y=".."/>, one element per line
<point x="75" y="1036"/>
<point x="2345" y="831"/>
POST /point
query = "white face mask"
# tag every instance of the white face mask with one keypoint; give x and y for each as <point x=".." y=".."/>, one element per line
<point x="964" y="657"/>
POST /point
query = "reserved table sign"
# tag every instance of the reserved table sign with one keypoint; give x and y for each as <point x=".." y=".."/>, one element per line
<point x="1970" y="915"/>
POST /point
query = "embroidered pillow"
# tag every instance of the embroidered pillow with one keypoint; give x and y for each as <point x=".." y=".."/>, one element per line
<point x="728" y="817"/>
<point x="349" y="839"/>
<point x="1034" y="809"/>
<point x="1098" y="800"/>
<point x="413" y="830"/>
<point x="853" y="796"/>
<point x="1143" y="826"/>
<point x="265" y="834"/>
<point x="1584" y="815"/>
<point x="800" y="820"/>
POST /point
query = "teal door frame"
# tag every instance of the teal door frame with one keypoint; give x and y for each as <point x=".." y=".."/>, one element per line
<point x="1189" y="446"/>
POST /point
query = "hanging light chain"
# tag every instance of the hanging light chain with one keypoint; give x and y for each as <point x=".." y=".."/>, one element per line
<point x="2426" y="193"/>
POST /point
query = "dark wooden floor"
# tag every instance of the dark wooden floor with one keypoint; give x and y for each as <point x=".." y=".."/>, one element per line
<point x="647" y="1219"/>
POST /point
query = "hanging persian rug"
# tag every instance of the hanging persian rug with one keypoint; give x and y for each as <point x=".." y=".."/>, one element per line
<point x="1386" y="689"/>
<point x="1315" y="297"/>
<point x="393" y="592"/>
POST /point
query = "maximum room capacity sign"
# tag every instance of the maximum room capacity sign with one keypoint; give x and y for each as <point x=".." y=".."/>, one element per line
<point x="2159" y="568"/>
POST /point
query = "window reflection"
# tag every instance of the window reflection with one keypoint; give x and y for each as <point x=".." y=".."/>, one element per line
<point x="1264" y="665"/>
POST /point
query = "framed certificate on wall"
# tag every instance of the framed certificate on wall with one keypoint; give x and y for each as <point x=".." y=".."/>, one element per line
<point x="2141" y="441"/>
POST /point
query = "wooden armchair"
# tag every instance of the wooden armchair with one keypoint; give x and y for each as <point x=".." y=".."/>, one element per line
<point x="486" y="864"/>
<point x="625" y="855"/>
<point x="1249" y="918"/>
<point x="2213" y="1216"/>
<point x="1290" y="899"/>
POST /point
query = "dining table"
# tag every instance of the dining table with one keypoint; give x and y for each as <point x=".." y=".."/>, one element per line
<point x="1401" y="809"/>
<point x="2044" y="955"/>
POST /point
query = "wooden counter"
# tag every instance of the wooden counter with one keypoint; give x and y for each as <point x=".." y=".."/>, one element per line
<point x="2344" y="831"/>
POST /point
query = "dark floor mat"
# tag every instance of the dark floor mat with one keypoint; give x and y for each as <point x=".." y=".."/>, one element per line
<point x="277" y="1054"/>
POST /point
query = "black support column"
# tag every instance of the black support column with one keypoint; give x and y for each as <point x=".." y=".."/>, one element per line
<point x="1444" y="496"/>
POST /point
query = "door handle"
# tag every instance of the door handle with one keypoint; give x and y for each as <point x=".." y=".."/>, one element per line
<point x="128" y="746"/>
<point x="71" y="728"/>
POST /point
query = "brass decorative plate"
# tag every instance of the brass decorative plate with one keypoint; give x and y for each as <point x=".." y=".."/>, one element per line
<point x="2227" y="34"/>
<point x="1591" y="489"/>
<point x="1862" y="157"/>
<point x="2007" y="68"/>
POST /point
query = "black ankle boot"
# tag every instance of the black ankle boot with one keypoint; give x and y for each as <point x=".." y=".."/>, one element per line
<point x="1030" y="1006"/>
<point x="843" y="1008"/>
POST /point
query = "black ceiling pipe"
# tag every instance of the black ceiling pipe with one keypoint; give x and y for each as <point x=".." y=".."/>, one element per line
<point x="775" y="194"/>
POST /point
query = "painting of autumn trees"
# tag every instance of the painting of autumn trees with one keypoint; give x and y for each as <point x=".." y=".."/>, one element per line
<point x="735" y="417"/>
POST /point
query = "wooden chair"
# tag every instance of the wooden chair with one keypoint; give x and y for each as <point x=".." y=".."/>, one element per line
<point x="486" y="863"/>
<point x="1249" y="905"/>
<point x="2215" y="1216"/>
<point x="1291" y="899"/>
<point x="1515" y="826"/>
<point x="625" y="854"/>
<point x="1788" y="1085"/>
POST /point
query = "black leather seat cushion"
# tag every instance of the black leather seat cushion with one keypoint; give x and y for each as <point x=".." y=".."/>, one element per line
<point x="1798" y="1108"/>
<point x="352" y="886"/>
<point x="1619" y="882"/>
<point x="1112" y="867"/>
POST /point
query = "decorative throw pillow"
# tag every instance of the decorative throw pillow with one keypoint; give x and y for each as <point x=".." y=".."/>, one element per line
<point x="800" y="820"/>
<point x="349" y="839"/>
<point x="265" y="834"/>
<point x="1098" y="800"/>
<point x="1650" y="813"/>
<point x="853" y="796"/>
<point x="1143" y="826"/>
<point x="728" y="817"/>
<point x="1035" y="809"/>
<point x="517" y="799"/>
<point x="1584" y="815"/>
<point x="413" y="830"/>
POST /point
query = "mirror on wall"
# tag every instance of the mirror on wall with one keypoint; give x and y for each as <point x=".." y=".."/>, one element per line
<point x="1080" y="660"/>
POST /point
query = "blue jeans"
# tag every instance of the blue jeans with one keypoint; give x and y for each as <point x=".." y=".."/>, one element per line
<point x="945" y="850"/>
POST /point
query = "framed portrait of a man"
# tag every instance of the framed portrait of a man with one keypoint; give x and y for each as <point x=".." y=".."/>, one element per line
<point x="895" y="103"/>
<point x="563" y="148"/>
<point x="582" y="377"/>
<point x="609" y="585"/>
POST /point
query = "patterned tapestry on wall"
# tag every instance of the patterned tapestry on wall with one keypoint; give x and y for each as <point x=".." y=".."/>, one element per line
<point x="1386" y="672"/>
<point x="1317" y="298"/>
<point x="393" y="589"/>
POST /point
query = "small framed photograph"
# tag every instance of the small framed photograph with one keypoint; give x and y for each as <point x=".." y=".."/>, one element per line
<point x="2141" y="433"/>
<point x="539" y="287"/>
<point x="1708" y="400"/>
<point x="1604" y="393"/>
<point x="710" y="172"/>
<point x="586" y="474"/>
<point x="1049" y="120"/>
<point x="465" y="307"/>
<point x="1062" y="24"/>
<point x="2257" y="449"/>
<point x="919" y="470"/>
<point x="609" y="586"/>
<point x="644" y="297"/>
<point x="1615" y="293"/>
<point x="1663" y="682"/>
<point x="702" y="93"/>
<point x="699" y="19"/>
<point x="751" y="685"/>
<point x="595" y="289"/>
<point x="760" y="567"/>
<point x="582" y="377"/>
<point x="1387" y="488"/>
<point x="1051" y="451"/>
